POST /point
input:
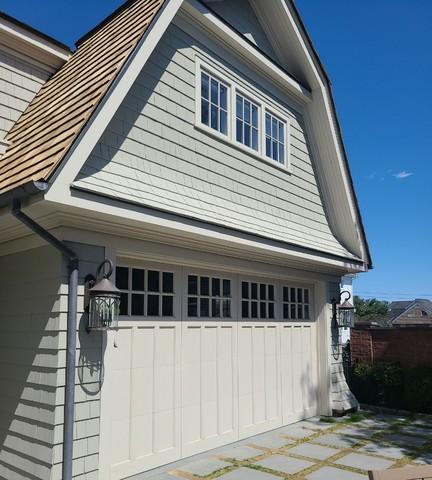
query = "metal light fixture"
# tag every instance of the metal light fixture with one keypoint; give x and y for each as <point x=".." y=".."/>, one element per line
<point x="343" y="313"/>
<point x="102" y="299"/>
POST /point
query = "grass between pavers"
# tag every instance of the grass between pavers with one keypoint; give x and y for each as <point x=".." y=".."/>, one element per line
<point x="394" y="426"/>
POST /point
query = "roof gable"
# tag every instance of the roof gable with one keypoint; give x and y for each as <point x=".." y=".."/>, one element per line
<point x="63" y="106"/>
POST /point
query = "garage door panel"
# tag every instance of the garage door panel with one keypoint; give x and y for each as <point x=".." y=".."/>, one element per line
<point x="207" y="386"/>
<point x="259" y="383"/>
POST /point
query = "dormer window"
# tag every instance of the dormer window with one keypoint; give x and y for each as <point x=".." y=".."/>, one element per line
<point x="214" y="103"/>
<point x="247" y="114"/>
<point x="275" y="143"/>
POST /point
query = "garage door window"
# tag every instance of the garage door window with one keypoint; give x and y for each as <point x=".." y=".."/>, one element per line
<point x="208" y="297"/>
<point x="145" y="293"/>
<point x="296" y="303"/>
<point x="258" y="300"/>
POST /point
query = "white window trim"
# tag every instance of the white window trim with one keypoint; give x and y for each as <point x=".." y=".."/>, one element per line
<point x="230" y="138"/>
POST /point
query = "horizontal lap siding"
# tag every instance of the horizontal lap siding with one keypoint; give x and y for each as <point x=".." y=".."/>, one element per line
<point x="19" y="83"/>
<point x="151" y="153"/>
<point x="30" y="299"/>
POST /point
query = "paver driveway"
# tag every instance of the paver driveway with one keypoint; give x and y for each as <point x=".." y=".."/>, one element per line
<point x="315" y="449"/>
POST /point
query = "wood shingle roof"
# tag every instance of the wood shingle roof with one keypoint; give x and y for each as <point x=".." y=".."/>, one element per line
<point x="48" y="127"/>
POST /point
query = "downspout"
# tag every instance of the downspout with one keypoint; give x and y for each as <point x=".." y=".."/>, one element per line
<point x="72" y="258"/>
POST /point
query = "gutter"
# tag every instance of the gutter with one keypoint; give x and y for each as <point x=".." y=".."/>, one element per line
<point x="73" y="261"/>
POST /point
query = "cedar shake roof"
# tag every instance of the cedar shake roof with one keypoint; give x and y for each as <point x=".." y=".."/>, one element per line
<point x="48" y="127"/>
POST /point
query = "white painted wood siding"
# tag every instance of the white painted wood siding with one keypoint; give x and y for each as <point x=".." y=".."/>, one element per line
<point x="152" y="154"/>
<point x="19" y="82"/>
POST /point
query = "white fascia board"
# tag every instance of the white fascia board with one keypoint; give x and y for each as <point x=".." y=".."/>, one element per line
<point x="204" y="16"/>
<point x="31" y="39"/>
<point x="92" y="132"/>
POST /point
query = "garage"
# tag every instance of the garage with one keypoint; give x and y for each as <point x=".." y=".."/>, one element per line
<point x="202" y="359"/>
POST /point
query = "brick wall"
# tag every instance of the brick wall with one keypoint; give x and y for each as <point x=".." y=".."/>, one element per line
<point x="407" y="346"/>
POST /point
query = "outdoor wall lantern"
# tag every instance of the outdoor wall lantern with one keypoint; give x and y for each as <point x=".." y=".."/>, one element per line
<point x="343" y="313"/>
<point x="102" y="299"/>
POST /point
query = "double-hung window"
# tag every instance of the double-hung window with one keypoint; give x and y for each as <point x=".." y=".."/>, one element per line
<point x="214" y="103"/>
<point x="247" y="114"/>
<point x="275" y="144"/>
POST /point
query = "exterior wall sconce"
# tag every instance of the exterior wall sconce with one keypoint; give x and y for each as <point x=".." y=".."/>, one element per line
<point x="102" y="299"/>
<point x="343" y="313"/>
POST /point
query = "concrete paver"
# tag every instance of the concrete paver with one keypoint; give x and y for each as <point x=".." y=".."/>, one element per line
<point x="204" y="467"/>
<point x="331" y="473"/>
<point x="405" y="440"/>
<point x="416" y="430"/>
<point x="313" y="451"/>
<point x="364" y="462"/>
<point x="241" y="452"/>
<point x="313" y="424"/>
<point x="244" y="473"/>
<point x="271" y="442"/>
<point x="355" y="431"/>
<point x="297" y="432"/>
<point x="383" y="451"/>
<point x="334" y="440"/>
<point x="284" y="464"/>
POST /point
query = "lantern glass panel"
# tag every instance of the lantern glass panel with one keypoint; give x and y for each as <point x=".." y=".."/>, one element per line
<point x="346" y="317"/>
<point x="104" y="311"/>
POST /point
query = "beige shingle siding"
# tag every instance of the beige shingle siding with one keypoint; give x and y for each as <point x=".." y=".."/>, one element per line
<point x="152" y="154"/>
<point x="47" y="129"/>
<point x="19" y="83"/>
<point x="29" y="337"/>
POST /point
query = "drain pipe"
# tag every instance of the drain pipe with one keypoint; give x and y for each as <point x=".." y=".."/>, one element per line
<point x="71" y="333"/>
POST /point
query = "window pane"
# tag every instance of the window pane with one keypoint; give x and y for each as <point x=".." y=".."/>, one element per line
<point x="226" y="308"/>
<point x="299" y="295"/>
<point x="168" y="282"/>
<point x="226" y="288"/>
<point x="271" y="292"/>
<point x="281" y="132"/>
<point x="274" y="128"/>
<point x="124" y="304"/>
<point x="223" y="97"/>
<point x="216" y="287"/>
<point x="255" y="139"/>
<point x="245" y="309"/>
<point x="193" y="285"/>
<point x="274" y="150"/>
<point x="293" y="312"/>
<point x="268" y="147"/>
<point x="306" y="295"/>
<point x="239" y="107"/>
<point x="306" y="312"/>
<point x="268" y="124"/>
<point x="281" y="153"/>
<point x="138" y="279"/>
<point x="285" y="294"/>
<point x="263" y="291"/>
<point x="271" y="313"/>
<point x="153" y="281"/>
<point x="153" y="305"/>
<point x="299" y="312"/>
<point x="205" y="286"/>
<point x="216" y="308"/>
<point x="247" y="135"/>
<point x="223" y="122"/>
<point x="205" y="112"/>
<point x="255" y="116"/>
<point x="122" y="278"/>
<point x="254" y="291"/>
<point x="137" y="304"/>
<point x="204" y="86"/>
<point x="285" y="311"/>
<point x="263" y="312"/>
<point x="247" y="111"/>
<point x="239" y="131"/>
<point x="245" y="290"/>
<point x="214" y="92"/>
<point x="214" y="117"/>
<point x="204" y="307"/>
<point x="254" y="309"/>
<point x="192" y="307"/>
<point x="293" y="294"/>
<point x="167" y="306"/>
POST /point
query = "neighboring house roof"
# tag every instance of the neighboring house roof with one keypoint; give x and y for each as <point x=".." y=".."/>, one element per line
<point x="47" y="129"/>
<point x="405" y="312"/>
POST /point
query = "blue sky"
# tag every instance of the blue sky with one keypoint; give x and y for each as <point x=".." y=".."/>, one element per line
<point x="377" y="54"/>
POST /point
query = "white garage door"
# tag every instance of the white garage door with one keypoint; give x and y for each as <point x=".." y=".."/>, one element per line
<point x="173" y="388"/>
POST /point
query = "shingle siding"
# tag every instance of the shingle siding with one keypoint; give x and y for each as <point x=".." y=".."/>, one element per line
<point x="152" y="154"/>
<point x="19" y="83"/>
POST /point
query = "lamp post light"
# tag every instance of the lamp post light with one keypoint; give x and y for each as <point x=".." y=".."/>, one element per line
<point x="102" y="299"/>
<point x="343" y="313"/>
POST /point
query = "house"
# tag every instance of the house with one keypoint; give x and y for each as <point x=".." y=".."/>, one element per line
<point x="409" y="313"/>
<point x="196" y="146"/>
